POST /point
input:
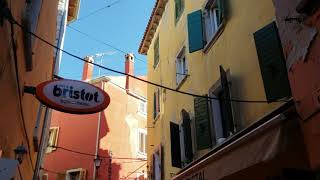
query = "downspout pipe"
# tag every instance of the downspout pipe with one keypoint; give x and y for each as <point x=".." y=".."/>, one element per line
<point x="97" y="139"/>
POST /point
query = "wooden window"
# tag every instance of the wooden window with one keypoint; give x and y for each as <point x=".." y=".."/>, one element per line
<point x="202" y="123"/>
<point x="272" y="63"/>
<point x="44" y="177"/>
<point x="181" y="67"/>
<point x="53" y="139"/>
<point x="179" y="7"/>
<point x="142" y="141"/>
<point x="175" y="145"/>
<point x="156" y="52"/>
<point x="76" y="174"/>
<point x="186" y="137"/>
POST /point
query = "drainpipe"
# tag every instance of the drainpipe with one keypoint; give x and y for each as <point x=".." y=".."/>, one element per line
<point x="97" y="139"/>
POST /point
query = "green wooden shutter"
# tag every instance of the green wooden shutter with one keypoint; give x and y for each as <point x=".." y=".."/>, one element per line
<point x="195" y="31"/>
<point x="186" y="124"/>
<point x="154" y="105"/>
<point x="202" y="123"/>
<point x="221" y="11"/>
<point x="175" y="145"/>
<point x="272" y="63"/>
<point x="226" y="109"/>
<point x="156" y="52"/>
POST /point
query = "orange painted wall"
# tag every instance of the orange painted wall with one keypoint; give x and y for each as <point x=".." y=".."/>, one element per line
<point x="12" y="132"/>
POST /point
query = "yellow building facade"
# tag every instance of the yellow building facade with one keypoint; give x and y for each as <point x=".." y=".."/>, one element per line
<point x="223" y="55"/>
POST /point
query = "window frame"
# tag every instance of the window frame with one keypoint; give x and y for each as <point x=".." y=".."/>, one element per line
<point x="145" y="108"/>
<point x="178" y="10"/>
<point x="157" y="104"/>
<point x="144" y="132"/>
<point x="211" y="8"/>
<point x="75" y="170"/>
<point x="215" y="112"/>
<point x="182" y="66"/>
<point x="50" y="149"/>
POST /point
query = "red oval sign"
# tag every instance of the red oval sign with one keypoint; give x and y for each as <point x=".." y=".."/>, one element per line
<point x="71" y="96"/>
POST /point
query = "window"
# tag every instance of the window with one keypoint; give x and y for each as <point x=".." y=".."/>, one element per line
<point x="156" y="104"/>
<point x="142" y="141"/>
<point x="156" y="52"/>
<point x="44" y="177"/>
<point x="179" y="7"/>
<point x="156" y="161"/>
<point x="213" y="18"/>
<point x="181" y="67"/>
<point x="53" y="139"/>
<point x="203" y="26"/>
<point x="221" y="110"/>
<point x="181" y="141"/>
<point x="142" y="108"/>
<point x="76" y="174"/>
<point x="213" y="129"/>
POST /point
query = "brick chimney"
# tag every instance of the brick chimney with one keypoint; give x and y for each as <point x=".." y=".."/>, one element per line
<point x="129" y="68"/>
<point x="87" y="69"/>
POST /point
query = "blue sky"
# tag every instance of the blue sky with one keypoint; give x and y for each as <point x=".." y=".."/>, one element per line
<point x="121" y="25"/>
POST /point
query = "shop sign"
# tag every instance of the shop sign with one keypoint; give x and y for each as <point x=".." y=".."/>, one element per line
<point x="72" y="96"/>
<point x="197" y="176"/>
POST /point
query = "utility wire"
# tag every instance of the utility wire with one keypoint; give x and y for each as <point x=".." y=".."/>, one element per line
<point x="140" y="79"/>
<point x="135" y="170"/>
<point x="88" y="154"/>
<point x="104" y="43"/>
<point x="98" y="10"/>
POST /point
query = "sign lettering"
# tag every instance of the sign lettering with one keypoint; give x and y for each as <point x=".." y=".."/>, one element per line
<point x="72" y="96"/>
<point x="197" y="176"/>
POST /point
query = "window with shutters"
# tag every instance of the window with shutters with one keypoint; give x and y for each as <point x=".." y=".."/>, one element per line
<point x="272" y="63"/>
<point x="33" y="13"/>
<point x="53" y="139"/>
<point x="44" y="176"/>
<point x="156" y="53"/>
<point x="156" y="104"/>
<point x="76" y="174"/>
<point x="179" y="7"/>
<point x="142" y="107"/>
<point x="221" y="110"/>
<point x="175" y="145"/>
<point x="158" y="163"/>
<point x="142" y="141"/>
<point x="186" y="139"/>
<point x="181" y="67"/>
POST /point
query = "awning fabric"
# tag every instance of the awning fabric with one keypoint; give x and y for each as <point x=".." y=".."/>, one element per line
<point x="261" y="145"/>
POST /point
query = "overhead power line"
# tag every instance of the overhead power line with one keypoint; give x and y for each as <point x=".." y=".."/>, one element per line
<point x="98" y="10"/>
<point x="137" y="78"/>
<point x="105" y="157"/>
<point x="104" y="43"/>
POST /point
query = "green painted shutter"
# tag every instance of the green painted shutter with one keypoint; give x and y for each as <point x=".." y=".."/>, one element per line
<point x="154" y="105"/>
<point x="202" y="123"/>
<point x="272" y="63"/>
<point x="195" y="31"/>
<point x="175" y="145"/>
<point x="226" y="109"/>
<point x="186" y="124"/>
<point x="156" y="52"/>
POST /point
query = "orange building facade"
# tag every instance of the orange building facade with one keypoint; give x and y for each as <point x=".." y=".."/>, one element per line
<point x="116" y="135"/>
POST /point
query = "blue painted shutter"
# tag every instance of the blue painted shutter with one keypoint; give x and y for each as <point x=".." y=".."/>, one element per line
<point x="175" y="145"/>
<point x="195" y="31"/>
<point x="272" y="63"/>
<point x="202" y="123"/>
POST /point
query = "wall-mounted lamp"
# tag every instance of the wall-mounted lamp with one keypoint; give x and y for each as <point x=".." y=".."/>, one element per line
<point x="19" y="153"/>
<point x="97" y="162"/>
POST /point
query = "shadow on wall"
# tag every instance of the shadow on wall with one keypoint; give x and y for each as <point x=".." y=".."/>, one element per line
<point x="106" y="171"/>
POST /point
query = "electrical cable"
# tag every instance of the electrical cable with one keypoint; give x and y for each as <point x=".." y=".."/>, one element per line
<point x="20" y="175"/>
<point x="135" y="170"/>
<point x="19" y="90"/>
<point x="104" y="43"/>
<point x="140" y="79"/>
<point x="88" y="154"/>
<point x="98" y="10"/>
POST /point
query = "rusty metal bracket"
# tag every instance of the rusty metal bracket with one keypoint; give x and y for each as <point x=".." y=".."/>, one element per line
<point x="30" y="90"/>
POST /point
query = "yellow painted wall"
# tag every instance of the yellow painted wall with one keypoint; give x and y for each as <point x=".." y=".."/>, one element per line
<point x="234" y="50"/>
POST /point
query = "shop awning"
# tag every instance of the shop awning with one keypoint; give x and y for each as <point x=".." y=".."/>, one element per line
<point x="277" y="135"/>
